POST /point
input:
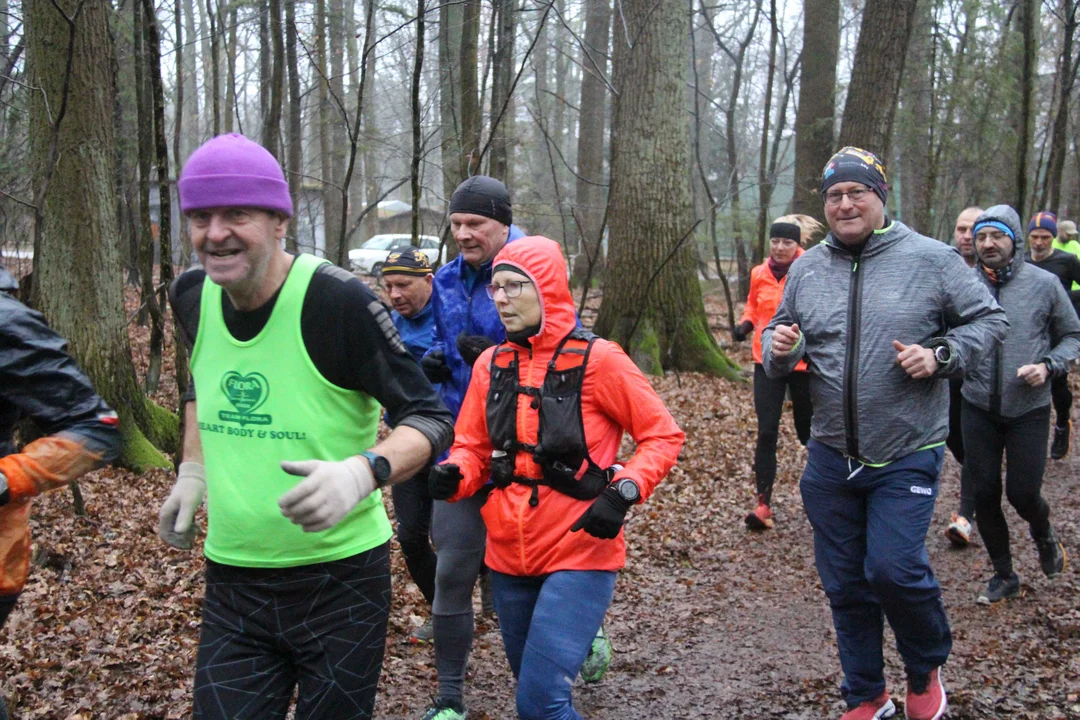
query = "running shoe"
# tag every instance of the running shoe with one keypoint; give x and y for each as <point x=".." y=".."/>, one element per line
<point x="1059" y="448"/>
<point x="999" y="589"/>
<point x="599" y="658"/>
<point x="925" y="697"/>
<point x="1052" y="556"/>
<point x="959" y="531"/>
<point x="880" y="707"/>
<point x="761" y="518"/>
<point x="423" y="634"/>
<point x="446" y="710"/>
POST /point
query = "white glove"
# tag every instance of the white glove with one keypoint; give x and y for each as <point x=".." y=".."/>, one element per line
<point x="331" y="490"/>
<point x="176" y="518"/>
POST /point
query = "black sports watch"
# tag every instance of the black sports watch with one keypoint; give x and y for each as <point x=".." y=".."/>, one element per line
<point x="628" y="490"/>
<point x="943" y="355"/>
<point x="380" y="467"/>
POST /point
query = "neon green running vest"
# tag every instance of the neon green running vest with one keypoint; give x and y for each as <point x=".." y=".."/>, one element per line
<point x="261" y="402"/>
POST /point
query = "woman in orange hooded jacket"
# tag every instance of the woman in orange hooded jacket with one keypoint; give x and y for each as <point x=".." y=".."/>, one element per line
<point x="786" y="236"/>
<point x="543" y="420"/>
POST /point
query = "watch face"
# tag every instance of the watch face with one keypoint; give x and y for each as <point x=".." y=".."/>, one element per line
<point x="628" y="490"/>
<point x="380" y="466"/>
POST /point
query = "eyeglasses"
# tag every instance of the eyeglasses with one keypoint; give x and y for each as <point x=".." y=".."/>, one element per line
<point x="512" y="288"/>
<point x="835" y="197"/>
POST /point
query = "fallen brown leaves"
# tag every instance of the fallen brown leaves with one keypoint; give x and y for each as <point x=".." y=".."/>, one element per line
<point x="708" y="621"/>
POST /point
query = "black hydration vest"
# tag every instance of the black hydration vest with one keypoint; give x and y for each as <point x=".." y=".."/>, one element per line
<point x="560" y="449"/>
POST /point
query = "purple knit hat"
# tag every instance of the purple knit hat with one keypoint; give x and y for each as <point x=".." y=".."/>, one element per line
<point x="231" y="170"/>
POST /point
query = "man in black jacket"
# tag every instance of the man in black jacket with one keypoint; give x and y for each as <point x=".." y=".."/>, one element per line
<point x="1066" y="267"/>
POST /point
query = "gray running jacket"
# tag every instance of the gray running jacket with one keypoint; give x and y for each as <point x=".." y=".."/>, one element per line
<point x="1043" y="327"/>
<point x="901" y="286"/>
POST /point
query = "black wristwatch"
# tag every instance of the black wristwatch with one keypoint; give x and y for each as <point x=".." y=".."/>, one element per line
<point x="943" y="355"/>
<point x="380" y="467"/>
<point x="628" y="490"/>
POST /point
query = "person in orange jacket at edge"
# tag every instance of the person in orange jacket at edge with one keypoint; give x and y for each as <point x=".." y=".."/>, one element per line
<point x="787" y="235"/>
<point x="40" y="380"/>
<point x="543" y="418"/>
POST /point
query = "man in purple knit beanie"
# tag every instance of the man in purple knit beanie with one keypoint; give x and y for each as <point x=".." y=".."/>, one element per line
<point x="292" y="358"/>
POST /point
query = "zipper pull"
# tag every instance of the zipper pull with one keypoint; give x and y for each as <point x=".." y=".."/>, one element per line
<point x="534" y="499"/>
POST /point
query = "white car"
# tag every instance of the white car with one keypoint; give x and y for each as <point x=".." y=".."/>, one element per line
<point x="369" y="257"/>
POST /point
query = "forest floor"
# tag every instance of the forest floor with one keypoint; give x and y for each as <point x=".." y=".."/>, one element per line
<point x="708" y="620"/>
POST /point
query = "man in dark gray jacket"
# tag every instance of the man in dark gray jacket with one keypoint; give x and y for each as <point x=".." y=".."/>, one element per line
<point x="1006" y="405"/>
<point x="883" y="315"/>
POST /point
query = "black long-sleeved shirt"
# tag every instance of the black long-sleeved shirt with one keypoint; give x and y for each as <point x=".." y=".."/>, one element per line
<point x="349" y="336"/>
<point x="1066" y="267"/>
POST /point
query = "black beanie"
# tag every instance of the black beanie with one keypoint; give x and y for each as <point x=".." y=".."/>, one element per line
<point x="852" y="164"/>
<point x="483" y="195"/>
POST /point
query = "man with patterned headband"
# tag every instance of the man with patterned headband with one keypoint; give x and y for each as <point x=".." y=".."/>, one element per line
<point x="406" y="280"/>
<point x="882" y="315"/>
<point x="292" y="358"/>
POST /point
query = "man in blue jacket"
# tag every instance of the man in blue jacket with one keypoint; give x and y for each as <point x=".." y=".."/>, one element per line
<point x="407" y="280"/>
<point x="466" y="321"/>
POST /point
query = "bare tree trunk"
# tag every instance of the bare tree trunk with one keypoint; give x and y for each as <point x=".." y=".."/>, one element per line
<point x="764" y="179"/>
<point x="329" y="193"/>
<point x="816" y="114"/>
<point x="470" y="107"/>
<point x="272" y="115"/>
<point x="1028" y="13"/>
<point x="78" y="283"/>
<point x="875" y="76"/>
<point x="1067" y="70"/>
<point x="371" y="131"/>
<point x="450" y="17"/>
<point x="591" y="149"/>
<point x="652" y="304"/>
<point x="228" y="20"/>
<point x="215" y="67"/>
<point x="336" y="209"/>
<point x="192" y="135"/>
<point x="149" y="308"/>
<point x="295" y="164"/>
<point x="502" y="73"/>
<point x="165" y="272"/>
<point x="418" y="66"/>
<point x="916" y="134"/>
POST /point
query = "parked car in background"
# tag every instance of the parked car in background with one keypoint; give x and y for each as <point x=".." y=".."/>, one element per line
<point x="369" y="257"/>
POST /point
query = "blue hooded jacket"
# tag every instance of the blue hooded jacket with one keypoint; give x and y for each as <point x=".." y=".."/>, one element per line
<point x="417" y="332"/>
<point x="461" y="305"/>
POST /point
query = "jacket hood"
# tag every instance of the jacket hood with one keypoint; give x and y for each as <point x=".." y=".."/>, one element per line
<point x="1008" y="217"/>
<point x="541" y="260"/>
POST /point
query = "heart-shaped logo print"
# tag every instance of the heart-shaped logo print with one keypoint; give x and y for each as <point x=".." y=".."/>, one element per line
<point x="245" y="392"/>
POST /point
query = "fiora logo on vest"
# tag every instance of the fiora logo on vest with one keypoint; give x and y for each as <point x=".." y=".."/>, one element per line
<point x="246" y="393"/>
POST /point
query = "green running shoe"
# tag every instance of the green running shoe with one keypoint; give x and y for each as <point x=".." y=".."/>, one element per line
<point x="599" y="658"/>
<point x="446" y="710"/>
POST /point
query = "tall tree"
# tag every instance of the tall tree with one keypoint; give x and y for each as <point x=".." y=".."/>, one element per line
<point x="591" y="147"/>
<point x="417" y="139"/>
<point x="1028" y="14"/>
<point x="875" y="76"/>
<point x="294" y="167"/>
<point x="275" y="80"/>
<point x="502" y="74"/>
<point x="652" y="304"/>
<point x="765" y="181"/>
<point x="916" y="134"/>
<point x="1068" y="13"/>
<point x="78" y="279"/>
<point x="816" y="114"/>
<point x="468" y="90"/>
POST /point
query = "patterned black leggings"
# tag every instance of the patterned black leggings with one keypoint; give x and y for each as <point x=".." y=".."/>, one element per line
<point x="264" y="632"/>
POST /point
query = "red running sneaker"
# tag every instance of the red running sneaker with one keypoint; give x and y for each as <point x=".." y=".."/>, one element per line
<point x="925" y="697"/>
<point x="880" y="707"/>
<point x="761" y="517"/>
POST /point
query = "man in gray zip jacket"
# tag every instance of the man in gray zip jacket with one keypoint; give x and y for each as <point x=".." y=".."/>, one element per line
<point x="1006" y="405"/>
<point x="882" y="315"/>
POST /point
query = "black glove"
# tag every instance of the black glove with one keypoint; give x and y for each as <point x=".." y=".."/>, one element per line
<point x="744" y="328"/>
<point x="443" y="481"/>
<point x="471" y="346"/>
<point x="604" y="518"/>
<point x="434" y="366"/>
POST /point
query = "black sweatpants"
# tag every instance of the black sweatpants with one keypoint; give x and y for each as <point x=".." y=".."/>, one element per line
<point x="769" y="404"/>
<point x="1023" y="441"/>
<point x="1062" y="398"/>
<point x="265" y="631"/>
<point x="955" y="443"/>
<point x="412" y="508"/>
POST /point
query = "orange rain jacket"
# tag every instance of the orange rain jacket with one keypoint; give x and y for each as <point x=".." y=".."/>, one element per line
<point x="525" y="540"/>
<point x="765" y="295"/>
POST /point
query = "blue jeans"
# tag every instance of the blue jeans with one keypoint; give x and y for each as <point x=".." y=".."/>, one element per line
<point x="548" y="623"/>
<point x="870" y="549"/>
